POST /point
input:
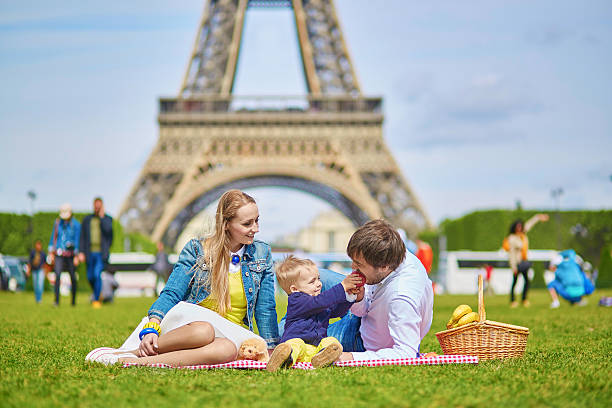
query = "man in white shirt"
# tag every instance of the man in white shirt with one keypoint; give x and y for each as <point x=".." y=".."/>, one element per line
<point x="394" y="309"/>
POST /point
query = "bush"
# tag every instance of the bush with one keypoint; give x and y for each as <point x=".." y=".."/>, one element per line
<point x="604" y="280"/>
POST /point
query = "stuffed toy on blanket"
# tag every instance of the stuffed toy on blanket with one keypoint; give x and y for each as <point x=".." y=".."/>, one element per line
<point x="253" y="349"/>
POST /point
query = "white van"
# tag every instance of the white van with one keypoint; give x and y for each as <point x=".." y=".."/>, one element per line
<point x="458" y="270"/>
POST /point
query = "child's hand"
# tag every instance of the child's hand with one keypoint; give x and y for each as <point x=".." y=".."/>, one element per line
<point x="352" y="281"/>
<point x="361" y="277"/>
<point x="359" y="291"/>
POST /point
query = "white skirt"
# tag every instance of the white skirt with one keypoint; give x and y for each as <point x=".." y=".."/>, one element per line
<point x="184" y="313"/>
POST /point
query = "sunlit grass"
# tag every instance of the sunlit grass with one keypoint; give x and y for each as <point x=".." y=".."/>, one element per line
<point x="42" y="352"/>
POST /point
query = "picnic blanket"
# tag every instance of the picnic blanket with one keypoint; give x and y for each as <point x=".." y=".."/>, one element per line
<point x="258" y="365"/>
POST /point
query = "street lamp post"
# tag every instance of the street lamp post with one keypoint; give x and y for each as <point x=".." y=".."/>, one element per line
<point x="556" y="195"/>
<point x="32" y="196"/>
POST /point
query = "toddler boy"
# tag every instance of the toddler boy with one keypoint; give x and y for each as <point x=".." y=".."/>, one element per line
<point x="308" y="313"/>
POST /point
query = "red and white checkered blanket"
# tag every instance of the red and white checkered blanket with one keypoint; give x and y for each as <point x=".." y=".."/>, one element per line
<point x="257" y="365"/>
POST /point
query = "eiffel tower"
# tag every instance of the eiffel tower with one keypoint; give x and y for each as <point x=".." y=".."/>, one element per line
<point x="328" y="143"/>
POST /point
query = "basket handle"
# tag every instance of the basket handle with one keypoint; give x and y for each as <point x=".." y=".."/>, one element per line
<point x="481" y="309"/>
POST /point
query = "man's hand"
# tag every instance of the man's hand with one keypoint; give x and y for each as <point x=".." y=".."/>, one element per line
<point x="345" y="356"/>
<point x="75" y="261"/>
<point x="82" y="257"/>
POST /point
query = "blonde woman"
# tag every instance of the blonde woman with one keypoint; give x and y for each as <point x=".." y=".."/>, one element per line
<point x="218" y="287"/>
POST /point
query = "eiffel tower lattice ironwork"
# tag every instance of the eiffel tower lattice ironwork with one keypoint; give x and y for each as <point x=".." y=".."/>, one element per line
<point x="328" y="143"/>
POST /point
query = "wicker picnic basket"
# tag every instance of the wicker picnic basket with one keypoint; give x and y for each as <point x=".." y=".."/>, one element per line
<point x="486" y="339"/>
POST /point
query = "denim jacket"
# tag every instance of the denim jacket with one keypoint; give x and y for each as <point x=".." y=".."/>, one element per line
<point x="68" y="234"/>
<point x="186" y="283"/>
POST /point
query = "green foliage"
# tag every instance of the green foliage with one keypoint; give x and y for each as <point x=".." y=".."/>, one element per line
<point x="141" y="243"/>
<point x="43" y="350"/>
<point x="604" y="280"/>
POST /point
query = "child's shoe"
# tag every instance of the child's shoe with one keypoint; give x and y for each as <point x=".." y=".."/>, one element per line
<point x="327" y="356"/>
<point x="514" y="305"/>
<point x="555" y="304"/>
<point x="526" y="303"/>
<point x="280" y="358"/>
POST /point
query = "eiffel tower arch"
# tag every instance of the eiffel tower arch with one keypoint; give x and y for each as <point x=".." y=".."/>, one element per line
<point x="328" y="143"/>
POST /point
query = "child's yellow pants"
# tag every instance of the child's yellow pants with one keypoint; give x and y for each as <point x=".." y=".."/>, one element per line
<point x="302" y="352"/>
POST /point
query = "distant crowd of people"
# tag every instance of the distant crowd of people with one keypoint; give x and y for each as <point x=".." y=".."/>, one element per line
<point x="72" y="243"/>
<point x="89" y="241"/>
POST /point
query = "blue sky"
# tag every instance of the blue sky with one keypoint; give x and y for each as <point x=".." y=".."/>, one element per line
<point x="486" y="103"/>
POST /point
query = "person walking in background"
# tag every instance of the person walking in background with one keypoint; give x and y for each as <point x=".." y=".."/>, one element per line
<point x="517" y="246"/>
<point x="95" y="242"/>
<point x="64" y="249"/>
<point x="35" y="269"/>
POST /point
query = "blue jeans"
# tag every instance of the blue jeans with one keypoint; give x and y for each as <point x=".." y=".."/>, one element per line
<point x="38" y="281"/>
<point x="94" y="273"/>
<point x="346" y="330"/>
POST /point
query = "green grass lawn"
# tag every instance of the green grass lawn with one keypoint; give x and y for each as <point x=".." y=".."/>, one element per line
<point x="42" y="352"/>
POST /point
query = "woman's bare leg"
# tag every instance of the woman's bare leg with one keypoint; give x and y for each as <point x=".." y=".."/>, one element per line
<point x="221" y="350"/>
<point x="191" y="335"/>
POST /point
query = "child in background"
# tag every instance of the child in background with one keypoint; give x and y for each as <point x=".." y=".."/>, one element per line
<point x="35" y="268"/>
<point x="571" y="283"/>
<point x="308" y="313"/>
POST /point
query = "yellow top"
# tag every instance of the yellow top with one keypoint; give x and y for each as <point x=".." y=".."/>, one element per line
<point x="237" y="300"/>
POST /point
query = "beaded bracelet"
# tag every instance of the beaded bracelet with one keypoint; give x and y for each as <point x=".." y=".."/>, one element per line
<point x="153" y="325"/>
<point x="146" y="331"/>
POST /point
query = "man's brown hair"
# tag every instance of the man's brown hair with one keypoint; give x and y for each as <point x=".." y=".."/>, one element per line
<point x="379" y="243"/>
<point x="288" y="271"/>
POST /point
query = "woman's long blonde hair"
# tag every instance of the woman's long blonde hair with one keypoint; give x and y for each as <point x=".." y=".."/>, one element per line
<point x="217" y="247"/>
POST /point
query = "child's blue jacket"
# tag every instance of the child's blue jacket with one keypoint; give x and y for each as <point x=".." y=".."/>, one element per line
<point x="308" y="316"/>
